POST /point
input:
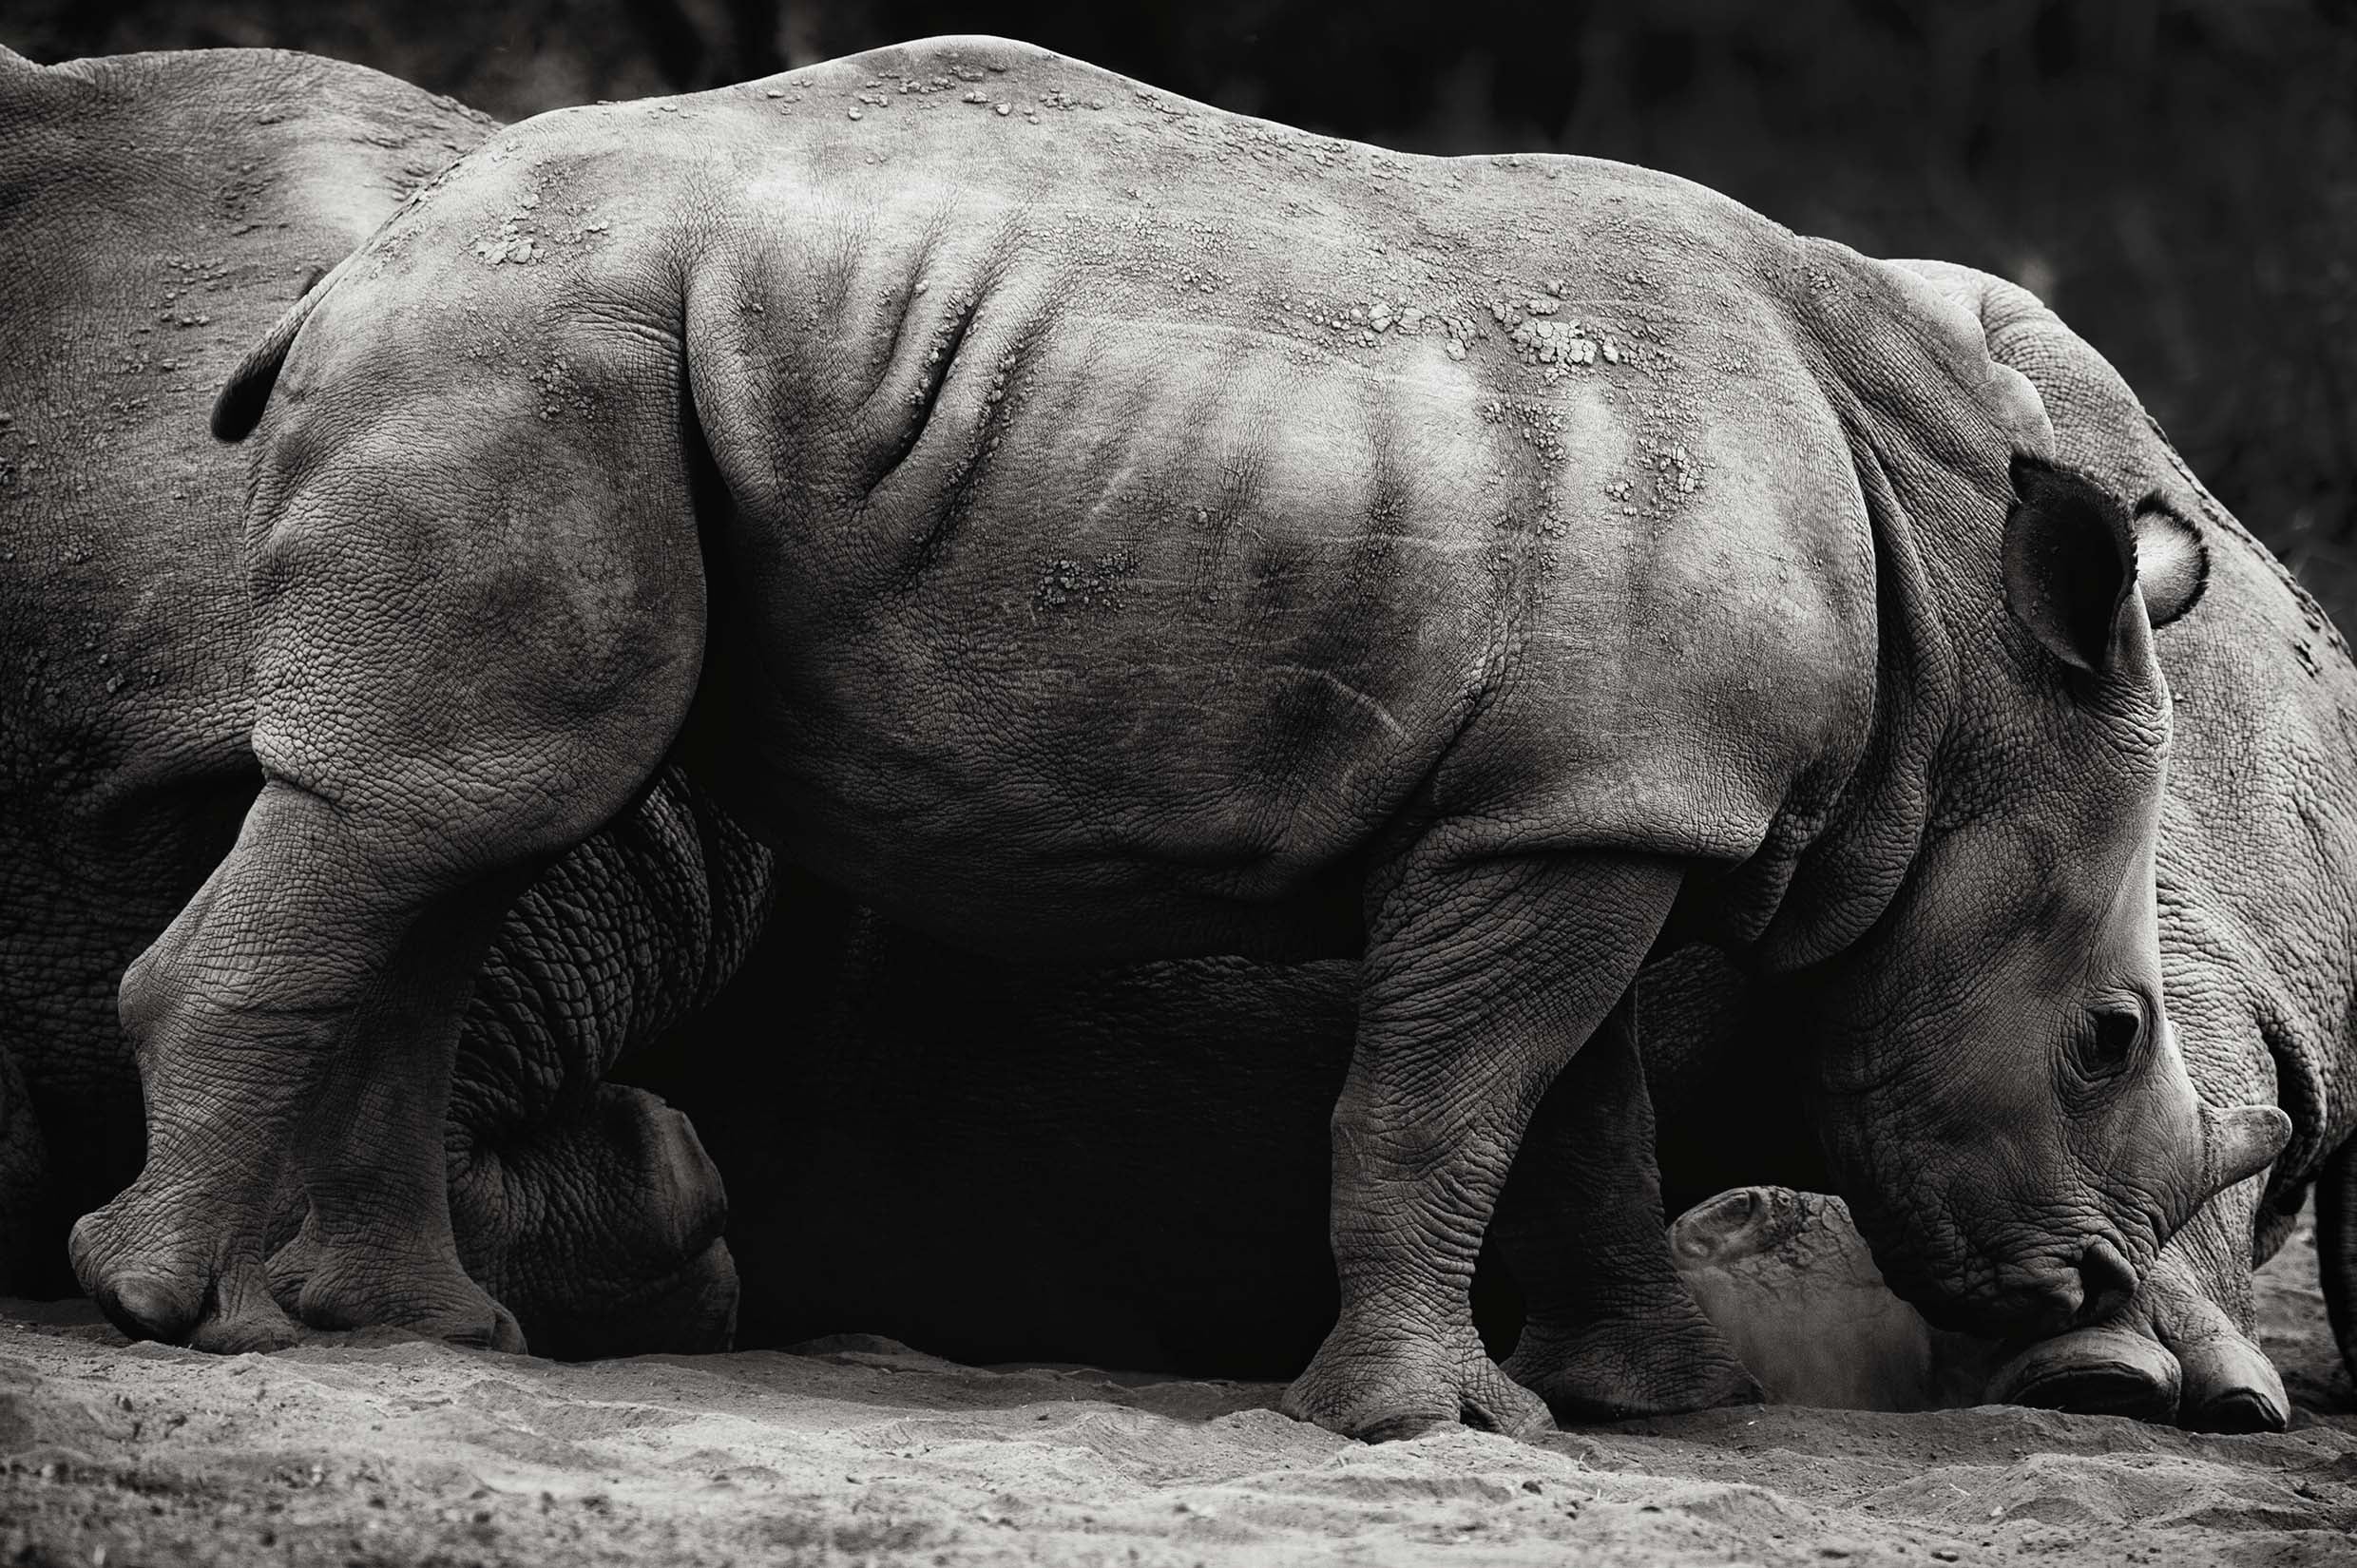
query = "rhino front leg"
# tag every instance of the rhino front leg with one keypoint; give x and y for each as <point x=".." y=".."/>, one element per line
<point x="1610" y="1330"/>
<point x="1482" y="976"/>
<point x="2228" y="1384"/>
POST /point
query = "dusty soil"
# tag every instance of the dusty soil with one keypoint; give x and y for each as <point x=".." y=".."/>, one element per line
<point x="380" y="1449"/>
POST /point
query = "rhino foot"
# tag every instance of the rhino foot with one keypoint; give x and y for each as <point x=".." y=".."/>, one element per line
<point x="1400" y="1388"/>
<point x="693" y="1312"/>
<point x="2175" y="1356"/>
<point x="1618" y="1370"/>
<point x="159" y="1271"/>
<point x="2221" y="1382"/>
<point x="331" y="1288"/>
<point x="2108" y="1369"/>
<point x="2231" y="1386"/>
<point x="158" y="1274"/>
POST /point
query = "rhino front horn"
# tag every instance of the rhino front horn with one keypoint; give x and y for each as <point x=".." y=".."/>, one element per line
<point x="2242" y="1142"/>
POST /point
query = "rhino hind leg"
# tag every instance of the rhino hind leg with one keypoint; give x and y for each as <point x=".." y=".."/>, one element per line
<point x="595" y="1224"/>
<point x="460" y="675"/>
<point x="246" y="1083"/>
<point x="1610" y="1331"/>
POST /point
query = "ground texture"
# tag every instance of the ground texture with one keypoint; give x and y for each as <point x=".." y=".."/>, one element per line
<point x="389" y="1450"/>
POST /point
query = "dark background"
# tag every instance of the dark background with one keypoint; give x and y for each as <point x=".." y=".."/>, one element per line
<point x="2178" y="178"/>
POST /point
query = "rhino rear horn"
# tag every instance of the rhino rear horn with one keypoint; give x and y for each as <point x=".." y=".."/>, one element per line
<point x="2069" y="561"/>
<point x="2240" y="1143"/>
<point x="2172" y="561"/>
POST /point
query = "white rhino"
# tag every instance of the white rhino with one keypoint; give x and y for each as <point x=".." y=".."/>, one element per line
<point x="1119" y="528"/>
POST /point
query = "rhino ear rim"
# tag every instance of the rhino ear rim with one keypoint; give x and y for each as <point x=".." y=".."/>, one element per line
<point x="2069" y="562"/>
<point x="2171" y="560"/>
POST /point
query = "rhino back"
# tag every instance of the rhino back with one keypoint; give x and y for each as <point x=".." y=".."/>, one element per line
<point x="1112" y="428"/>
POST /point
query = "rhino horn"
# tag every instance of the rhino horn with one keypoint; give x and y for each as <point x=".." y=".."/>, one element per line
<point x="2242" y="1142"/>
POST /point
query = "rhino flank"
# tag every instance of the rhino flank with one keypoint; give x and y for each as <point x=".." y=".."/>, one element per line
<point x="1042" y="562"/>
<point x="162" y="209"/>
<point x="1047" y="1163"/>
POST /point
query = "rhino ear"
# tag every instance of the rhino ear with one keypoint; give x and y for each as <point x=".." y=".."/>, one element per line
<point x="2172" y="561"/>
<point x="2070" y="561"/>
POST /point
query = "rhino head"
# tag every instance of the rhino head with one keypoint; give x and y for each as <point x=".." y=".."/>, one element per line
<point x="1998" y="1087"/>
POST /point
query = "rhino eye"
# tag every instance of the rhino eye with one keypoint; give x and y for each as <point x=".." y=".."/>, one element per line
<point x="2115" y="1033"/>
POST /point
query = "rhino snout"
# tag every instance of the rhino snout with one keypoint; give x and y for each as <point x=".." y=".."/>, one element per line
<point x="2098" y="1287"/>
<point x="2107" y="1281"/>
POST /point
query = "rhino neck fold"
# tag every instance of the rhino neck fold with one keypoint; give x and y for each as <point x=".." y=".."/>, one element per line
<point x="1846" y="840"/>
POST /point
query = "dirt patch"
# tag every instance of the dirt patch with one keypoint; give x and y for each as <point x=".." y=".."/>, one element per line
<point x="382" y="1449"/>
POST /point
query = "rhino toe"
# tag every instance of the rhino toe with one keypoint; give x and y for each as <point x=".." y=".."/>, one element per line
<point x="145" y="1307"/>
<point x="2100" y="1370"/>
<point x="2232" y="1386"/>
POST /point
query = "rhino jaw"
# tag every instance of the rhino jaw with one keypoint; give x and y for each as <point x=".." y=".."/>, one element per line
<point x="2240" y="1143"/>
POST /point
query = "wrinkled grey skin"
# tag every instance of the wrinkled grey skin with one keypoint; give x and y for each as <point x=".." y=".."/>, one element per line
<point x="1080" y="588"/>
<point x="1789" y="1280"/>
<point x="2257" y="879"/>
<point x="1070" y="1117"/>
<point x="161" y="211"/>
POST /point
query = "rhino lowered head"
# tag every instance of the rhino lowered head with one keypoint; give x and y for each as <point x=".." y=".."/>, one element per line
<point x="2000" y="1091"/>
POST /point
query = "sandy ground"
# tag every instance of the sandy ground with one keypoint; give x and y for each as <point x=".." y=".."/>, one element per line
<point x="381" y="1449"/>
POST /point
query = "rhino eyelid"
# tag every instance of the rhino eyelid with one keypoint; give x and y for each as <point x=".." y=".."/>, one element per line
<point x="2104" y="1050"/>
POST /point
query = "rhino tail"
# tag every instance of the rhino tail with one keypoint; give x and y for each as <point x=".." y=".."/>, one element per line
<point x="243" y="396"/>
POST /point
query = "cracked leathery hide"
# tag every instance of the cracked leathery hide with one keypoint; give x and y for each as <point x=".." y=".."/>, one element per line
<point x="163" y="210"/>
<point x="1121" y="1174"/>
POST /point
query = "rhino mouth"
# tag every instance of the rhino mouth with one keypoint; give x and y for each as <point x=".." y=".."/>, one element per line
<point x="2015" y="1296"/>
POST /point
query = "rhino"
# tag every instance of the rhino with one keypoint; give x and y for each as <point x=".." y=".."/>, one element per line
<point x="1122" y="529"/>
<point x="1787" y="1280"/>
<point x="1112" y="1163"/>
<point x="163" y="210"/>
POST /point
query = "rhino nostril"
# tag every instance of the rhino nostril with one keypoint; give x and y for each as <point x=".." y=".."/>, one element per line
<point x="2108" y="1281"/>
